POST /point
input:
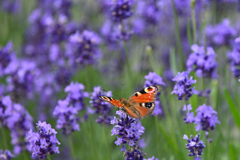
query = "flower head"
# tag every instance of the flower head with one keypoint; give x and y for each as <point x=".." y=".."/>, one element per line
<point x="100" y="107"/>
<point x="194" y="145"/>
<point x="121" y="9"/>
<point x="6" y="155"/>
<point x="234" y="58"/>
<point x="43" y="142"/>
<point x="128" y="129"/>
<point x="83" y="48"/>
<point x="190" y="115"/>
<point x="202" y="62"/>
<point x="76" y="94"/>
<point x="206" y="119"/>
<point x="183" y="86"/>
<point x="220" y="34"/>
<point x="67" y="117"/>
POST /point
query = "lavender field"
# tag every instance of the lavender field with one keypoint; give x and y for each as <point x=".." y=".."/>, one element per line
<point x="59" y="57"/>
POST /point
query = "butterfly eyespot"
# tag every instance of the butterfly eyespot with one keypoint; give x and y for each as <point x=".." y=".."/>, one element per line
<point x="148" y="105"/>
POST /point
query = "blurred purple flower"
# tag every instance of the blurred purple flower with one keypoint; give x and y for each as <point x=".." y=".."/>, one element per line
<point x="153" y="79"/>
<point x="63" y="76"/>
<point x="44" y="142"/>
<point x="11" y="6"/>
<point x="17" y="120"/>
<point x="121" y="9"/>
<point x="101" y="108"/>
<point x="234" y="58"/>
<point x="76" y="95"/>
<point x="183" y="86"/>
<point x="128" y="129"/>
<point x="6" y="155"/>
<point x="189" y="115"/>
<point x="194" y="146"/>
<point x="6" y="57"/>
<point x="206" y="119"/>
<point x="220" y="34"/>
<point x="202" y="62"/>
<point x="83" y="48"/>
<point x="21" y="78"/>
<point x="67" y="117"/>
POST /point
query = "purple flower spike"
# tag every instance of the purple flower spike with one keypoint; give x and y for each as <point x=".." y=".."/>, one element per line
<point x="84" y="47"/>
<point x="6" y="155"/>
<point x="206" y="119"/>
<point x="101" y="108"/>
<point x="190" y="115"/>
<point x="194" y="146"/>
<point x="202" y="62"/>
<point x="43" y="142"/>
<point x="76" y="94"/>
<point x="121" y="9"/>
<point x="184" y="88"/>
<point x="220" y="34"/>
<point x="234" y="58"/>
<point x="67" y="117"/>
<point x="128" y="129"/>
<point x="17" y="119"/>
<point x="6" y="57"/>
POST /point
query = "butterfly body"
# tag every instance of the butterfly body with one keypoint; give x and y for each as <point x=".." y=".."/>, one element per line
<point x="139" y="105"/>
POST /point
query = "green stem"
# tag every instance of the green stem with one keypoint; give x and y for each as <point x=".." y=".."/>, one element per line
<point x="156" y="125"/>
<point x="193" y="15"/>
<point x="25" y="155"/>
<point x="4" y="135"/>
<point x="127" y="58"/>
<point x="48" y="157"/>
<point x="151" y="60"/>
<point x="178" y="36"/>
<point x="93" y="139"/>
<point x="71" y="146"/>
<point x="107" y="142"/>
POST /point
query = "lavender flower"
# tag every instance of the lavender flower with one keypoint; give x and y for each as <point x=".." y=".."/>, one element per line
<point x="67" y="117"/>
<point x="202" y="62"/>
<point x="84" y="47"/>
<point x="101" y="108"/>
<point x="234" y="58"/>
<point x="12" y="6"/>
<point x="121" y="9"/>
<point x="194" y="146"/>
<point x="76" y="95"/>
<point x="184" y="86"/>
<point x="21" y="78"/>
<point x="136" y="153"/>
<point x="6" y="155"/>
<point x="43" y="142"/>
<point x="19" y="121"/>
<point x="220" y="34"/>
<point x="128" y="129"/>
<point x="206" y="119"/>
<point x="6" y="56"/>
<point x="154" y="79"/>
<point x="190" y="115"/>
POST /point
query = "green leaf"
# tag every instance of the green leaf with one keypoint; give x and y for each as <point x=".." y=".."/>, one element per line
<point x="233" y="109"/>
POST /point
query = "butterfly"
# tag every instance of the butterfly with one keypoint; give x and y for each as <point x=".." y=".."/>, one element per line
<point x="139" y="105"/>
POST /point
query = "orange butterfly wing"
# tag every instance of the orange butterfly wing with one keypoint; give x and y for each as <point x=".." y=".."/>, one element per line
<point x="142" y="102"/>
<point x="113" y="101"/>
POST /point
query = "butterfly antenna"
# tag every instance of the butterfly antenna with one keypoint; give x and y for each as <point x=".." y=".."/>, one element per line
<point x="114" y="95"/>
<point x="122" y="89"/>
